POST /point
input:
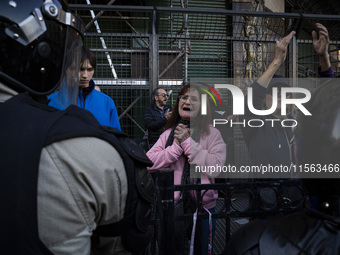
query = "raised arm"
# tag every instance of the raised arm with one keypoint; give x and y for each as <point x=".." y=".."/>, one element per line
<point x="321" y="46"/>
<point x="279" y="59"/>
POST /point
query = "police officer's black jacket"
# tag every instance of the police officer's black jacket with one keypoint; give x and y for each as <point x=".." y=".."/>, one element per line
<point x="26" y="127"/>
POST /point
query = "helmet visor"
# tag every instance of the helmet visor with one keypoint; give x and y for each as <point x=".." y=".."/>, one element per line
<point x="69" y="83"/>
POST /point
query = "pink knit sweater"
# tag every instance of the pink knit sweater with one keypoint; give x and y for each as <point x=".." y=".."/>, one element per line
<point x="211" y="151"/>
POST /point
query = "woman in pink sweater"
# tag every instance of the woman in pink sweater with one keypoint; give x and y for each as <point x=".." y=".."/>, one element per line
<point x="189" y="138"/>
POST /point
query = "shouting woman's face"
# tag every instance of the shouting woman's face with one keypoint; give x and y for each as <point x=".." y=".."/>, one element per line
<point x="189" y="104"/>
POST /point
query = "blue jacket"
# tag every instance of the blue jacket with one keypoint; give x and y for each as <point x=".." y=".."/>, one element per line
<point x="99" y="104"/>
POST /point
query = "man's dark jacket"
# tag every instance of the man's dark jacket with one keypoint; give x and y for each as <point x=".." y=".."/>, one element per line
<point x="154" y="121"/>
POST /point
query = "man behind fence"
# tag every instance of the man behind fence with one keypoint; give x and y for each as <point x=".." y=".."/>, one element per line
<point x="156" y="115"/>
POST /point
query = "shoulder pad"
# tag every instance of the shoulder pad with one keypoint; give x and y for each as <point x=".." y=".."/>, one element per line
<point x="135" y="151"/>
<point x="130" y="147"/>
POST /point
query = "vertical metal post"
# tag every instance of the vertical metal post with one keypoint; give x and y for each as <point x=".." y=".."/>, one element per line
<point x="294" y="59"/>
<point x="186" y="51"/>
<point x="293" y="64"/>
<point x="228" y="193"/>
<point x="167" y="218"/>
<point x="153" y="54"/>
<point x="186" y="43"/>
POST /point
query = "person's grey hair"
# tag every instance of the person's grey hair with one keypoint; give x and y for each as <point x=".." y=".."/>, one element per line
<point x="154" y="93"/>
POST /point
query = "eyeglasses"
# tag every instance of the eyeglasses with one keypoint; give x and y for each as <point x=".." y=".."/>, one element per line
<point x="193" y="100"/>
<point x="163" y="95"/>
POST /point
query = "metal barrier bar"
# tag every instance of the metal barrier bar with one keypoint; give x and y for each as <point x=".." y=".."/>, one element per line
<point x="165" y="214"/>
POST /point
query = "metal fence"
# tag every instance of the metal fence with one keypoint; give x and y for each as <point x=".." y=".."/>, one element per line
<point x="139" y="48"/>
<point x="238" y="203"/>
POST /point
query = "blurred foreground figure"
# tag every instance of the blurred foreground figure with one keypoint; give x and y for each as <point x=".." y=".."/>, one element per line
<point x="63" y="176"/>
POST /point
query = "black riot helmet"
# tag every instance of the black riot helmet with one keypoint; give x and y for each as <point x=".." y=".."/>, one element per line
<point x="318" y="140"/>
<point x="40" y="46"/>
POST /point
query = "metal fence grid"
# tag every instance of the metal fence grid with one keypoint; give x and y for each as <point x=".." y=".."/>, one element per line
<point x="140" y="47"/>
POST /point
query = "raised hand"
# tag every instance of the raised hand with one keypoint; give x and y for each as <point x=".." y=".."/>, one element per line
<point x="281" y="48"/>
<point x="279" y="59"/>
<point x="321" y="46"/>
<point x="167" y="114"/>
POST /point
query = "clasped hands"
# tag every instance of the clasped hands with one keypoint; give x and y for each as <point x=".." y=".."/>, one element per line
<point x="182" y="132"/>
